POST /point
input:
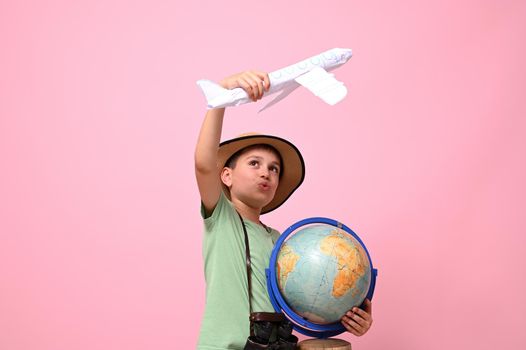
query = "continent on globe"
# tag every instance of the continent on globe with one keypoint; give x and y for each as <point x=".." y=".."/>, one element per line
<point x="286" y="263"/>
<point x="351" y="264"/>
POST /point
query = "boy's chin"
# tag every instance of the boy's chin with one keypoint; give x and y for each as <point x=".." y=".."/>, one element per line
<point x="258" y="200"/>
<point x="266" y="199"/>
<point x="261" y="202"/>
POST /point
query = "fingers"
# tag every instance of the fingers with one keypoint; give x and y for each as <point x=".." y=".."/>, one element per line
<point x="265" y="79"/>
<point x="367" y="312"/>
<point x="250" y="86"/>
<point x="358" y="321"/>
<point x="255" y="83"/>
<point x="352" y="326"/>
<point x="368" y="306"/>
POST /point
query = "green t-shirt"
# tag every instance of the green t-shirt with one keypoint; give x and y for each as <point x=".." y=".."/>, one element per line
<point x="225" y="323"/>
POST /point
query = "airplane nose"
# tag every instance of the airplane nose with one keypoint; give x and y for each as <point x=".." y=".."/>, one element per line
<point x="343" y="54"/>
<point x="347" y="54"/>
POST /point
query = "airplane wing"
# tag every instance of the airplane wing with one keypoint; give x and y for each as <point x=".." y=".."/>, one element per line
<point x="324" y="85"/>
<point x="286" y="91"/>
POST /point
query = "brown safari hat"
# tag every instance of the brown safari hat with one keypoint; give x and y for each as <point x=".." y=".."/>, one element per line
<point x="292" y="168"/>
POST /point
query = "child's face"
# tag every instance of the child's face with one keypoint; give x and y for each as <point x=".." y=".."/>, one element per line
<point x="255" y="177"/>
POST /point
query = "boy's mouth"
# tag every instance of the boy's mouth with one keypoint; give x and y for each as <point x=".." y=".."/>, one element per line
<point x="264" y="186"/>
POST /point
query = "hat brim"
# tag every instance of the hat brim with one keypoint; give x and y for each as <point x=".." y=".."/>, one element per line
<point x="293" y="167"/>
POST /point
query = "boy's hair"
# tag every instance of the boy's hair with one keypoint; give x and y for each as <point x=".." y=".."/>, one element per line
<point x="231" y="162"/>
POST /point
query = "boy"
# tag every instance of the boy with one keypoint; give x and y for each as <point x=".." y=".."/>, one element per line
<point x="244" y="178"/>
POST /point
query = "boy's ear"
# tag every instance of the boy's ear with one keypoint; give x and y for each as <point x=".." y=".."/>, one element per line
<point x="226" y="177"/>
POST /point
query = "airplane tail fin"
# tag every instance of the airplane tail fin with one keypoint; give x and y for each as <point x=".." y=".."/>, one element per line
<point x="214" y="93"/>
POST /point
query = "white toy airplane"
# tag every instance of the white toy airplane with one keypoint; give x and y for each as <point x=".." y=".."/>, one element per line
<point x="311" y="73"/>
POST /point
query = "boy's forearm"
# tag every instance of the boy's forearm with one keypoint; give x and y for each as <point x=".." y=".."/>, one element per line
<point x="208" y="141"/>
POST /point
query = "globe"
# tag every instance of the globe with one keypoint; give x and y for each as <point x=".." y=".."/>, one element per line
<point x="319" y="273"/>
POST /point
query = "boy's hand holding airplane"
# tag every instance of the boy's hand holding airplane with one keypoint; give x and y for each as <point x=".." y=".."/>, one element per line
<point x="255" y="83"/>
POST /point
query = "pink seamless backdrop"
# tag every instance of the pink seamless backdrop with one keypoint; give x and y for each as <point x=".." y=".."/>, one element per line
<point x="100" y="233"/>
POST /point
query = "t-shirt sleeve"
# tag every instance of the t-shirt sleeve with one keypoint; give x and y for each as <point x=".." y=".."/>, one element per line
<point x="221" y="206"/>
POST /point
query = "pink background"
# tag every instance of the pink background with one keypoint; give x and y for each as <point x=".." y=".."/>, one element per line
<point x="100" y="243"/>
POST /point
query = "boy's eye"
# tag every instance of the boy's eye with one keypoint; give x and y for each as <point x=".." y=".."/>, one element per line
<point x="274" y="169"/>
<point x="253" y="162"/>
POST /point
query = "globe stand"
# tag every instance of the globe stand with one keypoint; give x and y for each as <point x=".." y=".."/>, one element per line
<point x="325" y="344"/>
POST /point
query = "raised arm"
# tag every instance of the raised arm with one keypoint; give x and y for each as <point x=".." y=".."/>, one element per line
<point x="206" y="170"/>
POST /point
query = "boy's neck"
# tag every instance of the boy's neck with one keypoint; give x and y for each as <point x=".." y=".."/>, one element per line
<point x="247" y="212"/>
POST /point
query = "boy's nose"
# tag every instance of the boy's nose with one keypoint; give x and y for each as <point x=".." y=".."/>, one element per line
<point x="264" y="173"/>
